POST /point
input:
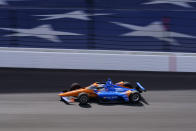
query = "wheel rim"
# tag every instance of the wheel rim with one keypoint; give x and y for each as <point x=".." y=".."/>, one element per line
<point x="83" y="99"/>
<point x="136" y="97"/>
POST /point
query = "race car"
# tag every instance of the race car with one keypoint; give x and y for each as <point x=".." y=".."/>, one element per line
<point x="104" y="93"/>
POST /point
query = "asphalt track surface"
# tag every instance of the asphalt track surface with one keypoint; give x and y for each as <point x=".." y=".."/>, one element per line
<point x="27" y="105"/>
<point x="165" y="111"/>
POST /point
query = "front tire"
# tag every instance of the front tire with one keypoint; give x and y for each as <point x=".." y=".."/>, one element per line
<point x="83" y="98"/>
<point x="134" y="97"/>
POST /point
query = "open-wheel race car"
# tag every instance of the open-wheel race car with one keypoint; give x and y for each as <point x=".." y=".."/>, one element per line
<point x="103" y="92"/>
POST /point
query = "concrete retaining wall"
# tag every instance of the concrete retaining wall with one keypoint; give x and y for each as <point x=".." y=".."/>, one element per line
<point x="97" y="60"/>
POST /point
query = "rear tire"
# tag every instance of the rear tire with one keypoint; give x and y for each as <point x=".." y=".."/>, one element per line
<point x="134" y="97"/>
<point x="83" y="98"/>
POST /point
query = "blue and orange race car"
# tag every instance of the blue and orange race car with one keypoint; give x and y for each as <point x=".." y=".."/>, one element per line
<point x="104" y="93"/>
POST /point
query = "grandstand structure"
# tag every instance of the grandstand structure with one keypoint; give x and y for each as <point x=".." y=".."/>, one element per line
<point x="133" y="25"/>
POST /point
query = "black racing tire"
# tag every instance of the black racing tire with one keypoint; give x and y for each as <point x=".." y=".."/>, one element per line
<point x="75" y="86"/>
<point x="134" y="97"/>
<point x="83" y="98"/>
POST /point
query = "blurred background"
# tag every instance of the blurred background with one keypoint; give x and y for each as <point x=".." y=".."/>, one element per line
<point x="136" y="25"/>
<point x="82" y="40"/>
<point x="46" y="45"/>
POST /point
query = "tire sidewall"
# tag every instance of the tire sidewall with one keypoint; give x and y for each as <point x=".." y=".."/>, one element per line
<point x="134" y="97"/>
<point x="83" y="98"/>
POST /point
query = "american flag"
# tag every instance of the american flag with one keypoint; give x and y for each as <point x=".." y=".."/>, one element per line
<point x="135" y="25"/>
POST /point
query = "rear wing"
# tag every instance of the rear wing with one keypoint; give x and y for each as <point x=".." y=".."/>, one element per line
<point x="140" y="88"/>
